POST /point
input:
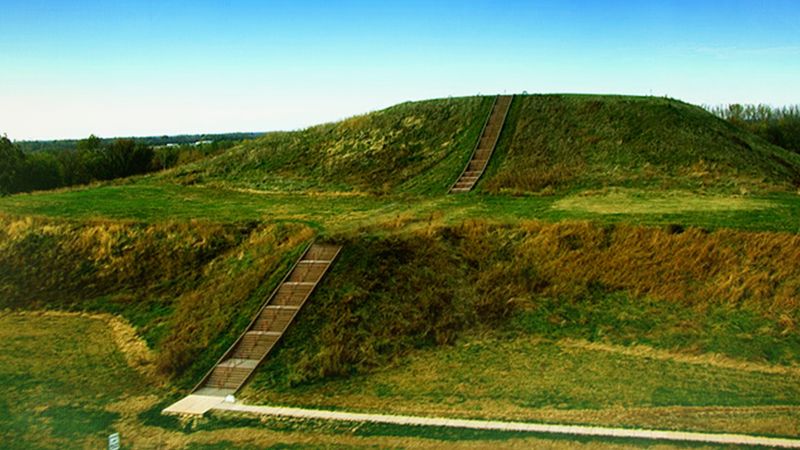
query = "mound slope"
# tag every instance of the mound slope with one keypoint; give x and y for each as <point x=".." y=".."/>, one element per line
<point x="557" y="142"/>
<point x="417" y="147"/>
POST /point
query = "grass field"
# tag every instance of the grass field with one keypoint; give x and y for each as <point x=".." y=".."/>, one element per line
<point x="81" y="388"/>
<point x="624" y="261"/>
<point x="568" y="381"/>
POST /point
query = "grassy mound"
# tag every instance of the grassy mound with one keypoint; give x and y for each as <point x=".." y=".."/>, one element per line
<point x="561" y="142"/>
<point x="551" y="144"/>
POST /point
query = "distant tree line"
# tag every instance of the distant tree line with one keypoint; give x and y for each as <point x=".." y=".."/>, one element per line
<point x="155" y="141"/>
<point x="779" y="126"/>
<point x="55" y="164"/>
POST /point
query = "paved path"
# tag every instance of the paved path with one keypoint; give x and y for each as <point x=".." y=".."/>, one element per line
<point x="735" y="439"/>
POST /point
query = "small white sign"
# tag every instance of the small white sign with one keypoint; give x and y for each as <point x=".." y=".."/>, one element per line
<point x="113" y="441"/>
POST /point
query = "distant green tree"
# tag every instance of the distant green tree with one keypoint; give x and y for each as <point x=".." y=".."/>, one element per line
<point x="73" y="166"/>
<point x="11" y="164"/>
<point x="125" y="157"/>
<point x="164" y="157"/>
<point x="778" y="126"/>
<point x="41" y="171"/>
<point x="89" y="144"/>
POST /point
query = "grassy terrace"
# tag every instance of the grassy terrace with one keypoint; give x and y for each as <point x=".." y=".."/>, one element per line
<point x="151" y="201"/>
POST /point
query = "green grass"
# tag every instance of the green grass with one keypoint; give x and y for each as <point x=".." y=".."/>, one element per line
<point x="413" y="147"/>
<point x="77" y="389"/>
<point x="152" y="202"/>
<point x="59" y="376"/>
<point x="531" y="379"/>
<point x="389" y="296"/>
<point x="558" y="143"/>
<point x="550" y="144"/>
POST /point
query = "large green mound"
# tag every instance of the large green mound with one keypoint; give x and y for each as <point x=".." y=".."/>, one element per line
<point x="551" y="143"/>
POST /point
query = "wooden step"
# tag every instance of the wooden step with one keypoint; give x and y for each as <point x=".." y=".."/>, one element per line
<point x="309" y="271"/>
<point x="482" y="155"/>
<point x="230" y="374"/>
<point x="255" y="344"/>
<point x="322" y="252"/>
<point x="273" y="319"/>
<point x="477" y="164"/>
<point x="292" y="294"/>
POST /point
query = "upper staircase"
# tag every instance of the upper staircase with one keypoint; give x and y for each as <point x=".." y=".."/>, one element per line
<point x="485" y="145"/>
<point x="242" y="358"/>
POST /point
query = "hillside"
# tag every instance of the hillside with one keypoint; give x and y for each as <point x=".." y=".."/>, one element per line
<point x="410" y="147"/>
<point x="551" y="143"/>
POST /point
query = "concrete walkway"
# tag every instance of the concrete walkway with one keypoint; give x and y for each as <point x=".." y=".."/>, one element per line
<point x="576" y="430"/>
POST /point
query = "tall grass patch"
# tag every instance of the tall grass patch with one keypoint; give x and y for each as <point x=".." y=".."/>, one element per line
<point x="188" y="287"/>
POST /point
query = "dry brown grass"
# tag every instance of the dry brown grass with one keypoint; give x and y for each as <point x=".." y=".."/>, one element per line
<point x="710" y="360"/>
<point x="186" y="285"/>
<point x="634" y="201"/>
<point x="692" y="267"/>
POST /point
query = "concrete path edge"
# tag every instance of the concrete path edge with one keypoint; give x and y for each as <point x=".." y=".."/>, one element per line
<point x="576" y="430"/>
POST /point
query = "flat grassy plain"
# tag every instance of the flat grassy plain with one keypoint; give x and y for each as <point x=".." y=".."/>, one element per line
<point x="635" y="267"/>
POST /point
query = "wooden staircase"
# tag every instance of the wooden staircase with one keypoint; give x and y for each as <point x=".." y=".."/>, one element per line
<point x="242" y="358"/>
<point x="485" y="145"/>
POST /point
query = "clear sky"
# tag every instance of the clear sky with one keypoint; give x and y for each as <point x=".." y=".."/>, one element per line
<point x="121" y="68"/>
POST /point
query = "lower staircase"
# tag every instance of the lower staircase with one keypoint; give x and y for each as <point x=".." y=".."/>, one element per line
<point x="241" y="360"/>
<point x="485" y="145"/>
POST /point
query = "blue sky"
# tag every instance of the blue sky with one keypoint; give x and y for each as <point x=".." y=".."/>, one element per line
<point x="71" y="68"/>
